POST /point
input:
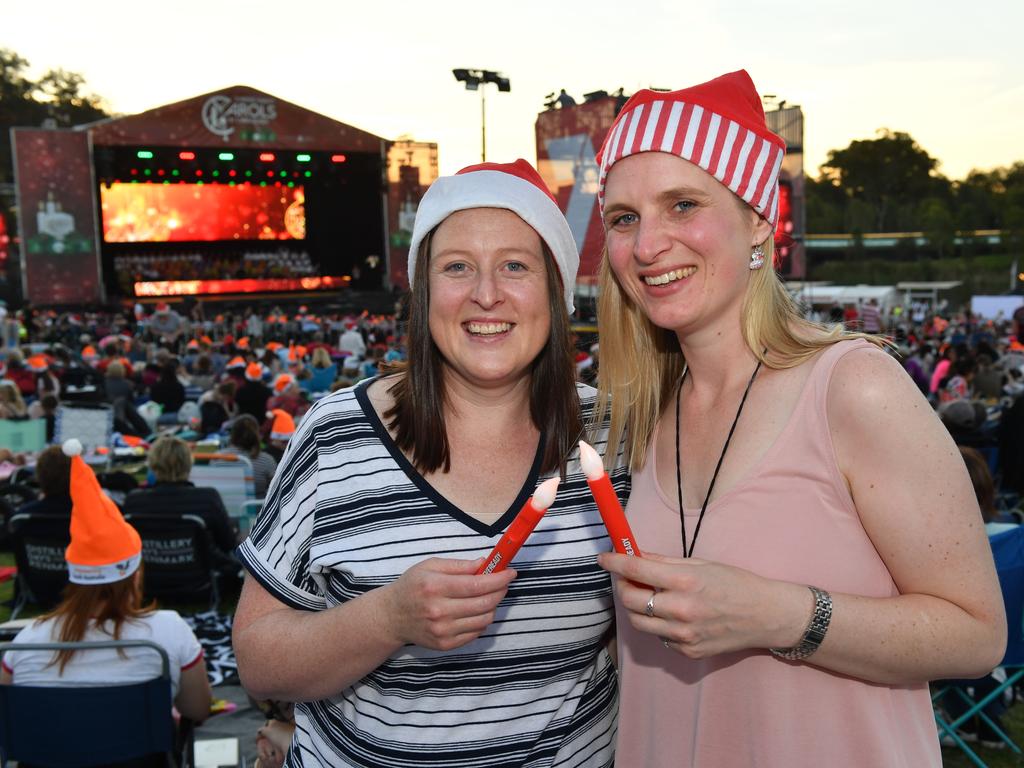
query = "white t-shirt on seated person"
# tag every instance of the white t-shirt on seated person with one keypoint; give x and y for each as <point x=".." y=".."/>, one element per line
<point x="105" y="666"/>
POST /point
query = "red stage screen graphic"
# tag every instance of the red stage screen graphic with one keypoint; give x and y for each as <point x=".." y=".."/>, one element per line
<point x="139" y="213"/>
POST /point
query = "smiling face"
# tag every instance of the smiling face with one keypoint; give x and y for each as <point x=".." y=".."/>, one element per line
<point x="679" y="242"/>
<point x="489" y="311"/>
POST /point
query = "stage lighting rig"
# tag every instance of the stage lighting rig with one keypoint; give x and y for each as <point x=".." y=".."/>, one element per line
<point x="473" y="79"/>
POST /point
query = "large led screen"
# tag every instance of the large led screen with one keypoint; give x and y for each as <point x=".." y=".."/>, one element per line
<point x="145" y="213"/>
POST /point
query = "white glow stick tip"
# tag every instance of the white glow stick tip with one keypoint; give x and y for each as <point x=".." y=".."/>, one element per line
<point x="544" y="496"/>
<point x="593" y="468"/>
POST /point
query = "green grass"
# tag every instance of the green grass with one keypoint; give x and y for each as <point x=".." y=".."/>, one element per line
<point x="1013" y="722"/>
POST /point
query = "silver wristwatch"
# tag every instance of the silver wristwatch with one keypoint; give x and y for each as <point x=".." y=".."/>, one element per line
<point x="816" y="629"/>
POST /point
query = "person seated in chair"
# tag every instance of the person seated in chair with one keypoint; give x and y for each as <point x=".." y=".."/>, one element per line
<point x="103" y="601"/>
<point x="172" y="494"/>
<point x="53" y="470"/>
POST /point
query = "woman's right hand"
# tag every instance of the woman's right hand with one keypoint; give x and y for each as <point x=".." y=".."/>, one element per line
<point x="442" y="604"/>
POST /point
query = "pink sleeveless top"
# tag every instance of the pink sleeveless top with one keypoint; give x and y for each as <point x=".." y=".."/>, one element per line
<point x="791" y="518"/>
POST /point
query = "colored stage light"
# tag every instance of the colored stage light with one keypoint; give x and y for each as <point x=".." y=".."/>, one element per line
<point x="269" y="174"/>
<point x="160" y="172"/>
<point x="135" y="171"/>
<point x="267" y="157"/>
<point x="199" y="173"/>
<point x="308" y="174"/>
<point x="148" y="172"/>
<point x="303" y="158"/>
<point x="284" y="173"/>
<point x="144" y="154"/>
<point x="232" y="172"/>
<point x="226" y="156"/>
<point x="175" y="172"/>
<point x="186" y="155"/>
<point x="248" y="174"/>
<point x="216" y="173"/>
<point x="338" y="158"/>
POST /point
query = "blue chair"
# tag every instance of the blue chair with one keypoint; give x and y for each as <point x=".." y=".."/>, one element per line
<point x="321" y="379"/>
<point x="1008" y="550"/>
<point x="66" y="727"/>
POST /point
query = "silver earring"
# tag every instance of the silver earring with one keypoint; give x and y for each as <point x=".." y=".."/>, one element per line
<point x="757" y="257"/>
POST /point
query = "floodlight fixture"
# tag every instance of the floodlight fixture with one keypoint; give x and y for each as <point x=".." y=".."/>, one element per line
<point x="473" y="79"/>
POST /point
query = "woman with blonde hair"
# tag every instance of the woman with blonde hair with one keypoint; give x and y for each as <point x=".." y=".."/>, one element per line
<point x="812" y="550"/>
<point x="12" y="404"/>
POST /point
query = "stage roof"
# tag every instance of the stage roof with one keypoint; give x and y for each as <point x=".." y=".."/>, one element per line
<point x="237" y="117"/>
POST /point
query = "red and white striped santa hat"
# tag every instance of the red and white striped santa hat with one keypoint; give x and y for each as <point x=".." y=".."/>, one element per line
<point x="718" y="126"/>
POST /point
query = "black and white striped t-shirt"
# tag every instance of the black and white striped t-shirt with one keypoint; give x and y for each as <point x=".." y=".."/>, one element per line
<point x="347" y="513"/>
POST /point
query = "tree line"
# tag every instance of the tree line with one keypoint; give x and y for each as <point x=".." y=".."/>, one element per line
<point x="891" y="184"/>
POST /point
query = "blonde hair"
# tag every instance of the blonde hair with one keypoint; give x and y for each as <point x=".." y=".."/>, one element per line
<point x="320" y="358"/>
<point x="170" y="460"/>
<point x="641" y="363"/>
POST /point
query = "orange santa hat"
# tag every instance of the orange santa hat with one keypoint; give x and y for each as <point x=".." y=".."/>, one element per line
<point x="283" y="425"/>
<point x="104" y="549"/>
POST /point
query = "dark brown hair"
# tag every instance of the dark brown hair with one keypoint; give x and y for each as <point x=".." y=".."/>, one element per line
<point x="118" y="602"/>
<point x="245" y="434"/>
<point x="981" y="479"/>
<point x="53" y="472"/>
<point x="417" y="417"/>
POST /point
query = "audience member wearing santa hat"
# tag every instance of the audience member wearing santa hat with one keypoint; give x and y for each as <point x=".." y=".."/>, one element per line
<point x="279" y="428"/>
<point x="252" y="396"/>
<point x="103" y="601"/>
<point x="288" y="396"/>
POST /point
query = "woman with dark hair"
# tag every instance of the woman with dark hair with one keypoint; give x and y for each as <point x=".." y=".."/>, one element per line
<point x="244" y="440"/>
<point x="364" y="603"/>
<point x="103" y="601"/>
<point x="168" y="390"/>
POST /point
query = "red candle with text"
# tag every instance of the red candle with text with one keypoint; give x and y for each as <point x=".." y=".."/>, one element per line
<point x="607" y="502"/>
<point x="521" y="528"/>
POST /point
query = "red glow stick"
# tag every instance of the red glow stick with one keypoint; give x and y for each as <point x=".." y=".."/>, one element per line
<point x="607" y="502"/>
<point x="521" y="528"/>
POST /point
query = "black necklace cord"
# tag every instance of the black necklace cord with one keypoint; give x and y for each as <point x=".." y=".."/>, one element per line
<point x="721" y="458"/>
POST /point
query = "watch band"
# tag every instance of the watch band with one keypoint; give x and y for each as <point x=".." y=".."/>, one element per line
<point x="816" y="628"/>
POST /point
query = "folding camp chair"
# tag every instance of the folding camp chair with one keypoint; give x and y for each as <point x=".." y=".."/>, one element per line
<point x="39" y="542"/>
<point x="92" y="427"/>
<point x="232" y="475"/>
<point x="1008" y="550"/>
<point x="23" y="435"/>
<point x="178" y="556"/>
<point x="64" y="727"/>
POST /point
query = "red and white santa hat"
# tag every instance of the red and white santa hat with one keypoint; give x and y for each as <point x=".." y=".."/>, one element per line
<point x="104" y="548"/>
<point x="516" y="187"/>
<point x="718" y="126"/>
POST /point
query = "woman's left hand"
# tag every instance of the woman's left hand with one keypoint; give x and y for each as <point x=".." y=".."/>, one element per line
<point x="701" y="608"/>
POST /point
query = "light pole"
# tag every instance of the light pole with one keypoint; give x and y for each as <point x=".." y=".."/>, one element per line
<point x="474" y="78"/>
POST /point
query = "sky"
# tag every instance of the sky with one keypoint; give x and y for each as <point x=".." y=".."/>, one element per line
<point x="948" y="73"/>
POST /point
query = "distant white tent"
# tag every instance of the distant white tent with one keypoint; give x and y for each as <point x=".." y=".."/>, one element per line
<point x="825" y="295"/>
